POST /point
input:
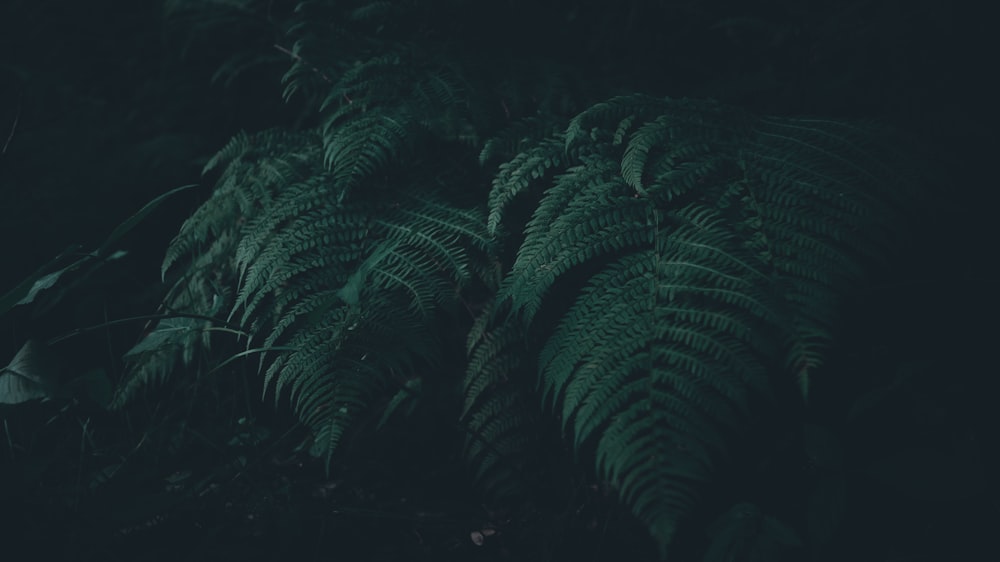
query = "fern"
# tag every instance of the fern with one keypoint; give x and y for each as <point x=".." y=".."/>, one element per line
<point x="341" y="293"/>
<point x="336" y="267"/>
<point x="712" y="244"/>
<point x="673" y="254"/>
<point x="255" y="169"/>
<point x="497" y="413"/>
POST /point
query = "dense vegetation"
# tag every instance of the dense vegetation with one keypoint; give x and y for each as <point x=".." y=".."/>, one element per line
<point x="517" y="281"/>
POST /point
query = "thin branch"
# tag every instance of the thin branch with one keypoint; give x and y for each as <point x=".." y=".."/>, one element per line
<point x="298" y="58"/>
<point x="13" y="127"/>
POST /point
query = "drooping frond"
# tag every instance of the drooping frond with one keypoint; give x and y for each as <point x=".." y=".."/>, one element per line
<point x="664" y="337"/>
<point x="254" y="169"/>
<point x="382" y="106"/>
<point x="518" y="173"/>
<point x="712" y="244"/>
<point x="355" y="307"/>
<point x="340" y="294"/>
<point x="496" y="411"/>
<point x="820" y="203"/>
<point x="667" y="257"/>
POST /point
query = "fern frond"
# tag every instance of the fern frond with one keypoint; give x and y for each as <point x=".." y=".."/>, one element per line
<point x="518" y="136"/>
<point x="496" y="413"/>
<point x="610" y="121"/>
<point x="330" y="239"/>
<point x="346" y="288"/>
<point x="517" y="174"/>
<point x="828" y="207"/>
<point x="255" y="168"/>
<point x="356" y="150"/>
<point x="376" y="111"/>
<point x="609" y="227"/>
<point x="395" y="264"/>
<point x="712" y="245"/>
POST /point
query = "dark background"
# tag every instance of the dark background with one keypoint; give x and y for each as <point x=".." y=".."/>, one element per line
<point x="115" y="103"/>
<point x="106" y="104"/>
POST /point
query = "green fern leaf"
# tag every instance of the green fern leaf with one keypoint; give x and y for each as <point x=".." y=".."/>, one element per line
<point x="712" y="245"/>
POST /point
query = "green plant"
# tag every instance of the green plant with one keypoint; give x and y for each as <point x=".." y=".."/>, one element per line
<point x="649" y="271"/>
<point x="682" y="257"/>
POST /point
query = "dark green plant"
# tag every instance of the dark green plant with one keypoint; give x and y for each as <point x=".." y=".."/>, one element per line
<point x="650" y="270"/>
<point x="682" y="258"/>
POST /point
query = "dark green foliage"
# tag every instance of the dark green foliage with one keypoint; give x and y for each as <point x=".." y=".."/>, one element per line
<point x="498" y="409"/>
<point x="633" y="316"/>
<point x="331" y="251"/>
<point x="319" y="281"/>
<point x="671" y="262"/>
<point x="702" y="246"/>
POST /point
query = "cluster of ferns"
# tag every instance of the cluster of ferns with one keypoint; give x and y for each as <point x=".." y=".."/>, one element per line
<point x="642" y="271"/>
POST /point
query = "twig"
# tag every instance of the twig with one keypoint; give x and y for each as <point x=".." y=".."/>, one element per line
<point x="298" y="58"/>
<point x="13" y="127"/>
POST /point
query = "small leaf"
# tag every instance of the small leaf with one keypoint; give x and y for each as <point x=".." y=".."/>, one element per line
<point x="405" y="398"/>
<point x="131" y="222"/>
<point x="26" y="291"/>
<point x="32" y="374"/>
